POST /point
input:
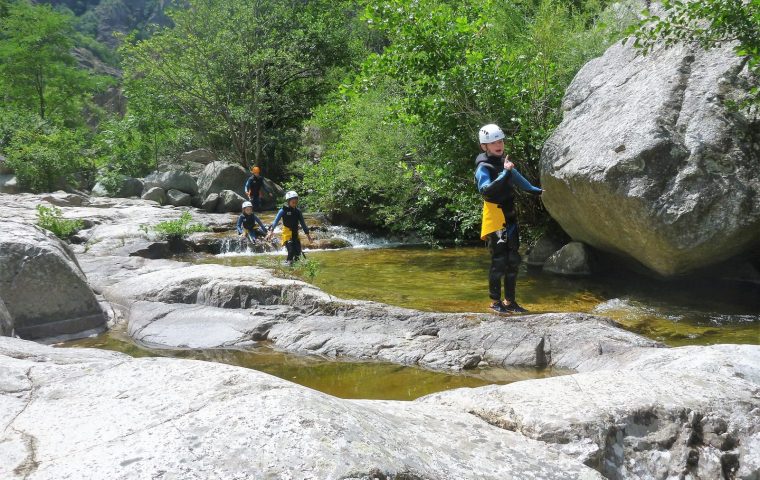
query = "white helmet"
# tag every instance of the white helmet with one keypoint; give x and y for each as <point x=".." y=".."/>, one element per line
<point x="247" y="204"/>
<point x="490" y="133"/>
<point x="291" y="195"/>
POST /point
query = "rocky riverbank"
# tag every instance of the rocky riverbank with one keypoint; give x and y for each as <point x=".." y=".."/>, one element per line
<point x="635" y="409"/>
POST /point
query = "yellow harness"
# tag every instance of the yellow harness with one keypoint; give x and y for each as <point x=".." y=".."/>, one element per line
<point x="493" y="219"/>
<point x="287" y="234"/>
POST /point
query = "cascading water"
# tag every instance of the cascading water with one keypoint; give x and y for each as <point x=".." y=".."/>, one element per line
<point x="239" y="245"/>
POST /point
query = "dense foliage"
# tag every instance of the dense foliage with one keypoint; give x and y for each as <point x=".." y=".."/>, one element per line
<point x="401" y="138"/>
<point x="369" y="108"/>
<point x="243" y="73"/>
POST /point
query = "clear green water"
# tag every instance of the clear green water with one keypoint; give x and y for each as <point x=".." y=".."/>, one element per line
<point x="370" y="380"/>
<point x="688" y="312"/>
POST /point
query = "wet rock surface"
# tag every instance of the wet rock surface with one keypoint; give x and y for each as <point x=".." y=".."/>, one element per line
<point x="670" y="413"/>
<point x="77" y="413"/>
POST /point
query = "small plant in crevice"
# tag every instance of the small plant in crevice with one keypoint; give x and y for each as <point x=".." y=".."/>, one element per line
<point x="51" y="219"/>
<point x="175" y="229"/>
<point x="304" y="269"/>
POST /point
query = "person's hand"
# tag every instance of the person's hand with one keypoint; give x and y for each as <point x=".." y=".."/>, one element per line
<point x="507" y="164"/>
<point x="309" y="237"/>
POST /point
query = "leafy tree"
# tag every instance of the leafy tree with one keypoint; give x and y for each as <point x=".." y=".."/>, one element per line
<point x="242" y="73"/>
<point x="709" y="23"/>
<point x="37" y="70"/>
<point x="455" y="67"/>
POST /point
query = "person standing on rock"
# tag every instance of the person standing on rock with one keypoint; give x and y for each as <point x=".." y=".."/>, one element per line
<point x="254" y="188"/>
<point x="496" y="179"/>
<point x="291" y="217"/>
<point x="247" y="223"/>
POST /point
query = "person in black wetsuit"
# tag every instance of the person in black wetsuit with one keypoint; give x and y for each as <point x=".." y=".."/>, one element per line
<point x="247" y="222"/>
<point x="291" y="218"/>
<point x="254" y="188"/>
<point x="496" y="179"/>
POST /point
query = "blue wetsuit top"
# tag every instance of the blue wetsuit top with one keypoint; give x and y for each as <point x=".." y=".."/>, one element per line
<point x="483" y="177"/>
<point x="246" y="221"/>
<point x="298" y="214"/>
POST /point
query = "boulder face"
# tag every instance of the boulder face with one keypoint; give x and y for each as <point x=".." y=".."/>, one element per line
<point x="156" y="194"/>
<point x="173" y="179"/>
<point x="649" y="163"/>
<point x="229" y="201"/>
<point x="177" y="198"/>
<point x="42" y="286"/>
<point x="572" y="259"/>
<point x="219" y="176"/>
<point x="6" y="322"/>
<point x="9" y="184"/>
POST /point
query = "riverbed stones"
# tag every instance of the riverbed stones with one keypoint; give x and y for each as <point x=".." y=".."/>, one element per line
<point x="650" y="163"/>
<point x="229" y="201"/>
<point x="155" y="194"/>
<point x="73" y="413"/>
<point x="571" y="260"/>
<point x="42" y="286"/>
<point x="172" y="179"/>
<point x="126" y="187"/>
<point x="209" y="203"/>
<point x="671" y="412"/>
<point x="177" y="198"/>
<point x="219" y="176"/>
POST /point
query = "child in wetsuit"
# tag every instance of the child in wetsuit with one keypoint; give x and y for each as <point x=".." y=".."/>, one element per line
<point x="497" y="178"/>
<point x="247" y="223"/>
<point x="291" y="217"/>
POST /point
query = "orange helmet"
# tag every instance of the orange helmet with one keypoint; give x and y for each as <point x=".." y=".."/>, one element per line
<point x="255" y="170"/>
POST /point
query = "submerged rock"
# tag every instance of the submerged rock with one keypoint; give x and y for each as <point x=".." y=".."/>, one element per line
<point x="75" y="413"/>
<point x="43" y="288"/>
<point x="691" y="411"/>
<point x="572" y="259"/>
<point x="650" y="163"/>
<point x="542" y="250"/>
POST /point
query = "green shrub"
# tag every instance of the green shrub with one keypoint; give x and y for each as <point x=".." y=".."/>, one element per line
<point x="178" y="228"/>
<point x="304" y="269"/>
<point x="48" y="158"/>
<point x="50" y="219"/>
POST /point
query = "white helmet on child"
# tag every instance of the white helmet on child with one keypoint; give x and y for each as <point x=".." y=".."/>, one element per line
<point x="291" y="195"/>
<point x="247" y="204"/>
<point x="490" y="133"/>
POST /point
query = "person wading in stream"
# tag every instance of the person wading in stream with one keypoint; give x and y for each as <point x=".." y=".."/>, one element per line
<point x="247" y="223"/>
<point x="254" y="188"/>
<point x="496" y="179"/>
<point x="291" y="217"/>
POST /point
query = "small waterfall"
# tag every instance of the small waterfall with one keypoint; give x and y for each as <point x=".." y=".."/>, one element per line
<point x="359" y="239"/>
<point x="238" y="245"/>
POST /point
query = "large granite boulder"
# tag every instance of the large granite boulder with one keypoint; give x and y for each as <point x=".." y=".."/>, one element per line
<point x="83" y="413"/>
<point x="173" y="179"/>
<point x="219" y="176"/>
<point x="690" y="412"/>
<point x="177" y="198"/>
<point x="229" y="201"/>
<point x="42" y="286"/>
<point x="651" y="164"/>
<point x="156" y="194"/>
<point x="200" y="155"/>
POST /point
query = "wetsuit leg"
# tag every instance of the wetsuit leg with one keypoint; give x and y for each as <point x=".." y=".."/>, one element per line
<point x="256" y="201"/>
<point x="512" y="265"/>
<point x="294" y="249"/>
<point x="499" y="257"/>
